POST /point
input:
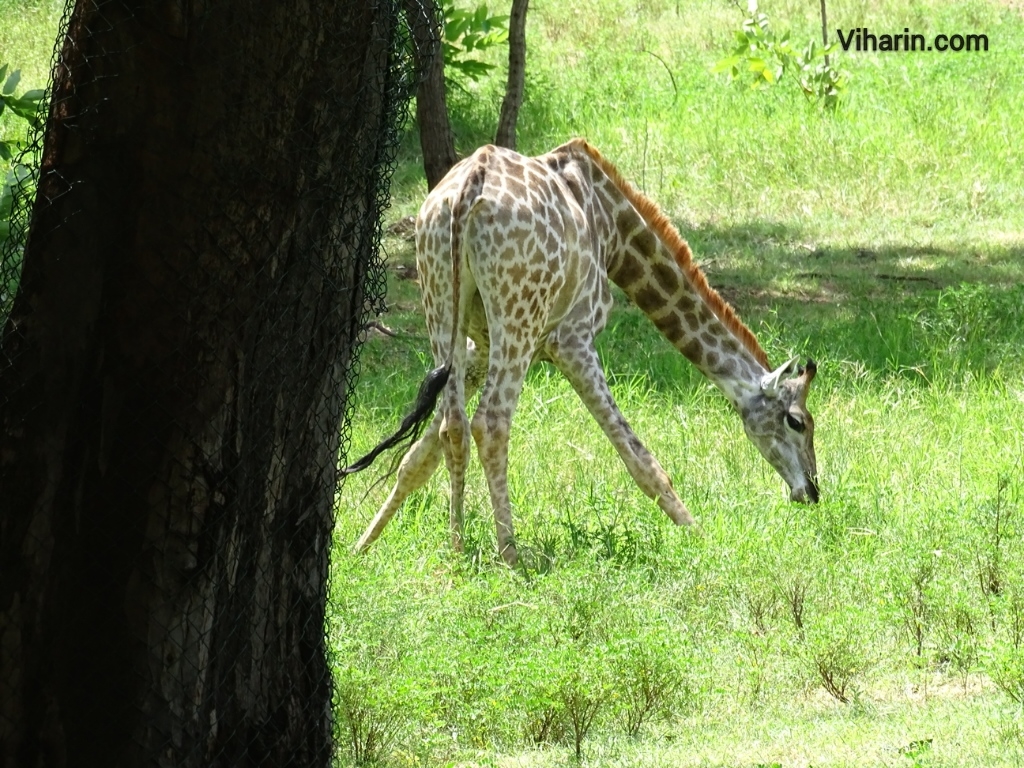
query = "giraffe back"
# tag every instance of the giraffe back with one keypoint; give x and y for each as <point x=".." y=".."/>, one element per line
<point x="505" y="243"/>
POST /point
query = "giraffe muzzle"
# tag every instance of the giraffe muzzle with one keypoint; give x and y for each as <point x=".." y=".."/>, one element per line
<point x="807" y="494"/>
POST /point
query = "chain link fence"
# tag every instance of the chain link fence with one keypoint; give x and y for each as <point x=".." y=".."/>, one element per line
<point x="163" y="575"/>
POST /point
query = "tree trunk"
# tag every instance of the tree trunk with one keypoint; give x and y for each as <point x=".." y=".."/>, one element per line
<point x="436" y="140"/>
<point x="506" y="136"/>
<point x="824" y="29"/>
<point x="173" y="378"/>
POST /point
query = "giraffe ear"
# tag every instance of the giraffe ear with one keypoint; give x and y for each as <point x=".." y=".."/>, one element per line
<point x="807" y="371"/>
<point x="770" y="381"/>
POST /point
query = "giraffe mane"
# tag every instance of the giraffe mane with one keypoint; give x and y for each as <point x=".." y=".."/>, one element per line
<point x="665" y="231"/>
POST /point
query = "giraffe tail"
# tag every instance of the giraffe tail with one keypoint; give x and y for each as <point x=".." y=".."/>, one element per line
<point x="460" y="205"/>
<point x="412" y="425"/>
<point x="433" y="385"/>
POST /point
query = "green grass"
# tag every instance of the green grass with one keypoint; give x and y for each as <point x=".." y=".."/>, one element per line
<point x="27" y="32"/>
<point x="27" y="36"/>
<point x="903" y="548"/>
<point x="886" y="241"/>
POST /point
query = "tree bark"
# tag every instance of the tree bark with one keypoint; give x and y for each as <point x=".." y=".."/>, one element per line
<point x="436" y="140"/>
<point x="509" y="117"/>
<point x="172" y="380"/>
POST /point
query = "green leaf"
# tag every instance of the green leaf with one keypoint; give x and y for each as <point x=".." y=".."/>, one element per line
<point x="455" y="29"/>
<point x="12" y="82"/>
<point x="467" y="32"/>
<point x="473" y="69"/>
<point x="23" y="107"/>
<point x="727" y="63"/>
<point x="495" y="38"/>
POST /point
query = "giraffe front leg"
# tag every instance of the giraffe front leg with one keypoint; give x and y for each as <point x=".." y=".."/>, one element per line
<point x="416" y="468"/>
<point x="578" y="361"/>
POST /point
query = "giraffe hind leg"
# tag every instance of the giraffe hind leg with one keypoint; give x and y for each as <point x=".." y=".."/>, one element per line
<point x="490" y="432"/>
<point x="455" y="444"/>
<point x="490" y="427"/>
<point x="416" y="468"/>
<point x="455" y="432"/>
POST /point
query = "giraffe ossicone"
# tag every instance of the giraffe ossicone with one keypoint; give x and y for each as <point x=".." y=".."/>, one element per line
<point x="514" y="256"/>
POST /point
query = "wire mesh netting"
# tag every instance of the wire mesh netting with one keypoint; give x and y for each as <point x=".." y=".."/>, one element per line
<point x="182" y="296"/>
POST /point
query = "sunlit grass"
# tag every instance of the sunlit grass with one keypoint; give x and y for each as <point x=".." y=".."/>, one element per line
<point x="912" y="472"/>
<point x="27" y="32"/>
<point x="884" y="241"/>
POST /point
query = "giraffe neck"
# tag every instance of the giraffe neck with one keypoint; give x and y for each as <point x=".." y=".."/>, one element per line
<point x="657" y="285"/>
<point x="646" y="257"/>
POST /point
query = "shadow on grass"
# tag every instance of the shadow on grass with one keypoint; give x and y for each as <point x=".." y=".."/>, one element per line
<point x="920" y="311"/>
<point x="760" y="256"/>
<point x="916" y="311"/>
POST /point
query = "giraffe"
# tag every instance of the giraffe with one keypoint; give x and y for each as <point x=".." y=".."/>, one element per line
<point x="514" y="256"/>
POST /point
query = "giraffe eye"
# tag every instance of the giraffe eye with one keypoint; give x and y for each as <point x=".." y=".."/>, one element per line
<point x="794" y="423"/>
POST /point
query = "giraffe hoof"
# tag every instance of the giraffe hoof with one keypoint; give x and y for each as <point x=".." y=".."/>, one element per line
<point x="675" y="509"/>
<point x="510" y="555"/>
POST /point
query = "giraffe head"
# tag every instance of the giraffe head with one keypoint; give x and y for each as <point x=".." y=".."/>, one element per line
<point x="777" y="421"/>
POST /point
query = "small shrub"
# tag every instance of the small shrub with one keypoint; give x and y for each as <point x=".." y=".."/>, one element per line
<point x="581" y="695"/>
<point x="1008" y="612"/>
<point x="369" y="715"/>
<point x="646" y="679"/>
<point x="1006" y="668"/>
<point x="767" y="57"/>
<point x="913" y="587"/>
<point x="996" y="527"/>
<point x="794" y="593"/>
<point x="959" y="641"/>
<point x="609" y="531"/>
<point x="544" y="724"/>
<point x="761" y="605"/>
<point x="470" y="698"/>
<point x="836" y="665"/>
<point x="836" y="651"/>
<point x="565" y="689"/>
<point x="753" y="666"/>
